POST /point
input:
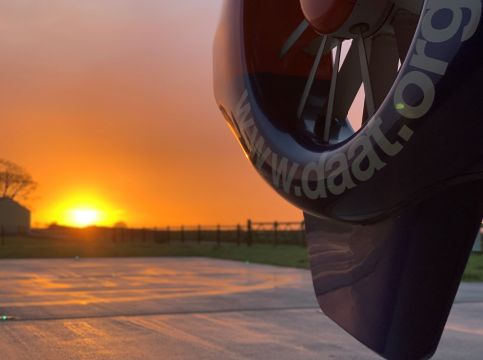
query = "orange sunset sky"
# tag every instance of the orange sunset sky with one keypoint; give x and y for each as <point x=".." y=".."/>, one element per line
<point x="109" y="105"/>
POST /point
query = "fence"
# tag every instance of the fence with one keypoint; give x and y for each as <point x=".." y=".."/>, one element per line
<point x="275" y="233"/>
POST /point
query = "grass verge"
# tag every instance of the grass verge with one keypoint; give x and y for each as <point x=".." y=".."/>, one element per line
<point x="474" y="269"/>
<point x="282" y="255"/>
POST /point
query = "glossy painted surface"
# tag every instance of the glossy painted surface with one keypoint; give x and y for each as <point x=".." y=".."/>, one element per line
<point x="392" y="210"/>
<point x="392" y="284"/>
<point x="327" y="16"/>
<point x="329" y="180"/>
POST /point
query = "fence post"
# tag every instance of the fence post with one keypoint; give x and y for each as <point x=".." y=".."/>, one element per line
<point x="218" y="235"/>
<point x="168" y="234"/>
<point x="199" y="234"/>
<point x="143" y="234"/>
<point x="249" y="233"/>
<point x="238" y="234"/>
<point x="275" y="233"/>
<point x="182" y="233"/>
<point x="154" y="234"/>
<point x="302" y="232"/>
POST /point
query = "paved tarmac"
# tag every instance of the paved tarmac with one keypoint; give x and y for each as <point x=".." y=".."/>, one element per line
<point x="163" y="308"/>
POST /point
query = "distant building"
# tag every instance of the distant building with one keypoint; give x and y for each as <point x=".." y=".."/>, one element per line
<point x="14" y="218"/>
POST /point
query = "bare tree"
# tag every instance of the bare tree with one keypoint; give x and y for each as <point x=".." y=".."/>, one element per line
<point x="15" y="182"/>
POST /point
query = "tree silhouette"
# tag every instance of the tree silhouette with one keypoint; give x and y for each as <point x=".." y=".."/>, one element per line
<point x="15" y="182"/>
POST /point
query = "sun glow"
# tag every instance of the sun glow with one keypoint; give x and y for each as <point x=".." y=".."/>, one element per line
<point x="85" y="209"/>
<point x="85" y="217"/>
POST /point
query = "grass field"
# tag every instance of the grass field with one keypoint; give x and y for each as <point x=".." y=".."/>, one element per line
<point x="282" y="255"/>
<point x="474" y="269"/>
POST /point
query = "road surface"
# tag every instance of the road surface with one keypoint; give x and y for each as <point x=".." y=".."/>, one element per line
<point x="163" y="308"/>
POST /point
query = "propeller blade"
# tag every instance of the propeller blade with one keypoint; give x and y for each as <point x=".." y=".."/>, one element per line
<point x="404" y="24"/>
<point x="383" y="66"/>
<point x="326" y="119"/>
<point x="314" y="45"/>
<point x="350" y="81"/>
<point x="366" y="78"/>
<point x="311" y="79"/>
<point x="293" y="38"/>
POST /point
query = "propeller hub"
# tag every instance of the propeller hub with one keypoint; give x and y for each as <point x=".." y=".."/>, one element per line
<point x="326" y="16"/>
<point x="342" y="18"/>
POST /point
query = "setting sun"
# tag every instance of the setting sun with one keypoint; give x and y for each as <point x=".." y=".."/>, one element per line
<point x="85" y="217"/>
<point x="84" y="208"/>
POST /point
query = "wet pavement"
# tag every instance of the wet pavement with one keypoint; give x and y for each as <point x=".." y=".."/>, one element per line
<point x="164" y="308"/>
